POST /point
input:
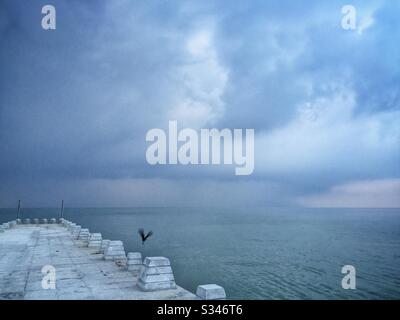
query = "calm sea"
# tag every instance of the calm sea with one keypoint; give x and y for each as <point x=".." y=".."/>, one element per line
<point x="259" y="253"/>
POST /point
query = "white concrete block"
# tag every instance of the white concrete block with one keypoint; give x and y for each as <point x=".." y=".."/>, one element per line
<point x="53" y="220"/>
<point x="156" y="261"/>
<point x="156" y="286"/>
<point x="134" y="262"/>
<point x="134" y="255"/>
<point x="36" y="221"/>
<point x="158" y="270"/>
<point x="84" y="235"/>
<point x="44" y="221"/>
<point x="104" y="245"/>
<point x="71" y="226"/>
<point x="75" y="231"/>
<point x="156" y="274"/>
<point x="27" y="221"/>
<point x="95" y="240"/>
<point x="157" y="277"/>
<point x="115" y="252"/>
<point x="210" y="292"/>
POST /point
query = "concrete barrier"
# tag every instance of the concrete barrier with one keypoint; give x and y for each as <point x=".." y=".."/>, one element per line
<point x="116" y="252"/>
<point x="84" y="236"/>
<point x="71" y="229"/>
<point x="71" y="226"/>
<point x="104" y="244"/>
<point x="75" y="232"/>
<point x="95" y="241"/>
<point x="102" y="279"/>
<point x="156" y="274"/>
<point x="210" y="292"/>
<point x="134" y="263"/>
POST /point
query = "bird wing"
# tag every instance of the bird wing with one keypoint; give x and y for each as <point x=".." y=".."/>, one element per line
<point x="141" y="232"/>
<point x="148" y="235"/>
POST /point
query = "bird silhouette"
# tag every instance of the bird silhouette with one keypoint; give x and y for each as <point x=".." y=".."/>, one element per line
<point x="144" y="236"/>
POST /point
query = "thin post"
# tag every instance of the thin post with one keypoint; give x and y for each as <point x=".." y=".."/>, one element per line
<point x="62" y="208"/>
<point x="19" y="208"/>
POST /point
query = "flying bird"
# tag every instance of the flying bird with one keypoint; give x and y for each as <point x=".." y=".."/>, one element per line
<point x="144" y="236"/>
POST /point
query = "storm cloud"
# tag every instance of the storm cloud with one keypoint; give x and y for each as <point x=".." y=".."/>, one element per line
<point x="76" y="102"/>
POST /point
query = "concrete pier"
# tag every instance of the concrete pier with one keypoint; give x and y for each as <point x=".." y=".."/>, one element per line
<point x="83" y="237"/>
<point x="115" y="251"/>
<point x="210" y="292"/>
<point x="156" y="274"/>
<point x="80" y="272"/>
<point x="75" y="231"/>
<point x="104" y="245"/>
<point x="70" y="226"/>
<point x="135" y="262"/>
<point x="95" y="241"/>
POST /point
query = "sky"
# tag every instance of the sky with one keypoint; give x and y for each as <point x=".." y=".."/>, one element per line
<point x="76" y="102"/>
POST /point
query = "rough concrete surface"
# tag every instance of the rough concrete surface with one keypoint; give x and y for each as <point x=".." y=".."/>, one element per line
<point x="81" y="273"/>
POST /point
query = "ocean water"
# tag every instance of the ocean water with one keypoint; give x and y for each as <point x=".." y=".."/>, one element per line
<point x="259" y="253"/>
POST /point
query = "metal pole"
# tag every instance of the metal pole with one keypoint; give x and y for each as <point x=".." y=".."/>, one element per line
<point x="62" y="208"/>
<point x="19" y="208"/>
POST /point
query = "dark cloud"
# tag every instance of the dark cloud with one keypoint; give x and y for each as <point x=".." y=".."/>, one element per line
<point x="76" y="103"/>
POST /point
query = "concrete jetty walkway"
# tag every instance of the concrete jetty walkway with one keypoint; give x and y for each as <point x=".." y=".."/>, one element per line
<point x="81" y="273"/>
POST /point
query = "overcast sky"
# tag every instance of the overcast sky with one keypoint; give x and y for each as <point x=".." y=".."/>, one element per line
<point x="76" y="102"/>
